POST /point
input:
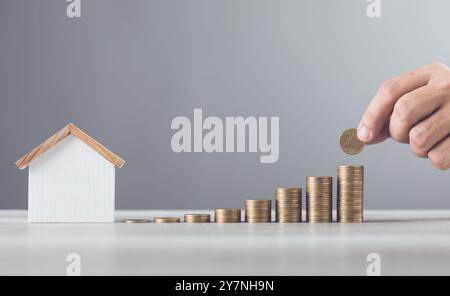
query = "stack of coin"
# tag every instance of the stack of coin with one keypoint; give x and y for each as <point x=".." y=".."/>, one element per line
<point x="350" y="193"/>
<point x="258" y="210"/>
<point x="197" y="218"/>
<point x="227" y="215"/>
<point x="136" y="221"/>
<point x="288" y="205"/>
<point x="166" y="220"/>
<point x="319" y="192"/>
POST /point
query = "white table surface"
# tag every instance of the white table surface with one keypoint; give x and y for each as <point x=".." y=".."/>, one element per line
<point x="409" y="243"/>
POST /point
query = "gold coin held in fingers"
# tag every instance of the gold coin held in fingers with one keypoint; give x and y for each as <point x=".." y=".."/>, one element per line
<point x="350" y="143"/>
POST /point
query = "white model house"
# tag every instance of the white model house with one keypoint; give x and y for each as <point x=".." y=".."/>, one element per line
<point x="71" y="179"/>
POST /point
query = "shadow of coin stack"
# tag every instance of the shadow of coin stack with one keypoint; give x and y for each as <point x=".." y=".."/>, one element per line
<point x="319" y="202"/>
<point x="288" y="205"/>
<point x="258" y="210"/>
<point x="350" y="193"/>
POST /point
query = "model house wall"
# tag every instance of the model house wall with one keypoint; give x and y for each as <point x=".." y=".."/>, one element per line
<point x="71" y="183"/>
<point x="71" y="179"/>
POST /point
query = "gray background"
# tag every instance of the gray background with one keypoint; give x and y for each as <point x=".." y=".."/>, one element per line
<point x="126" y="68"/>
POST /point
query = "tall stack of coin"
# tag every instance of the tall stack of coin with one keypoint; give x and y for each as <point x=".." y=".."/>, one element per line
<point x="227" y="215"/>
<point x="197" y="218"/>
<point x="288" y="205"/>
<point x="319" y="192"/>
<point x="258" y="210"/>
<point x="350" y="193"/>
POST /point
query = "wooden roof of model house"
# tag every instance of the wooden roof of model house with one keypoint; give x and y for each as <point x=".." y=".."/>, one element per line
<point x="73" y="130"/>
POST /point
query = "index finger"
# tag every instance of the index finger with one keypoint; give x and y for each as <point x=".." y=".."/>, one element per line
<point x="381" y="106"/>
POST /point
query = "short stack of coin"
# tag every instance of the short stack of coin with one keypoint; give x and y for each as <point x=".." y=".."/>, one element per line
<point x="197" y="218"/>
<point x="350" y="193"/>
<point x="160" y="220"/>
<point x="288" y="205"/>
<point x="227" y="215"/>
<point x="258" y="210"/>
<point x="319" y="192"/>
<point x="136" y="221"/>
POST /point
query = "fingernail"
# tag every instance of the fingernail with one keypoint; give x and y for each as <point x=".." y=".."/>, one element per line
<point x="363" y="133"/>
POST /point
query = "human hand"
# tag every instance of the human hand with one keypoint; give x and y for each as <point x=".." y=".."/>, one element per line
<point x="413" y="108"/>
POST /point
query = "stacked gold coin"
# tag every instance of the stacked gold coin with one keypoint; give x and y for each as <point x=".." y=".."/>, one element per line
<point x="319" y="192"/>
<point x="197" y="218"/>
<point x="258" y="210"/>
<point x="136" y="221"/>
<point x="227" y="215"/>
<point x="288" y="205"/>
<point x="166" y="220"/>
<point x="350" y="193"/>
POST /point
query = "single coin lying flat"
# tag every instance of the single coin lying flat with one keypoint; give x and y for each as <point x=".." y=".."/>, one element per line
<point x="136" y="221"/>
